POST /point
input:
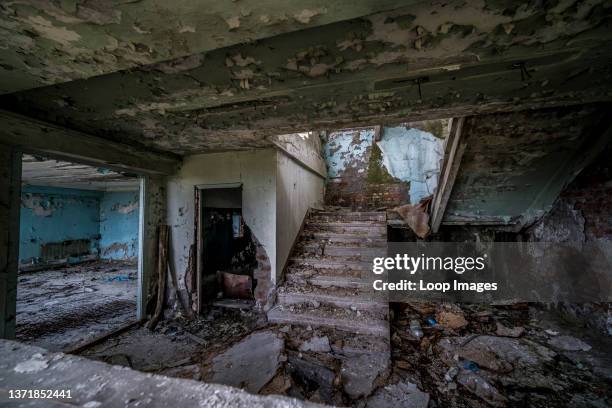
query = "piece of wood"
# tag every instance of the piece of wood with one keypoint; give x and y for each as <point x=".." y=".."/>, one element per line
<point x="162" y="268"/>
<point x="90" y="343"/>
<point x="35" y="136"/>
<point x="197" y="339"/>
<point x="454" y="148"/>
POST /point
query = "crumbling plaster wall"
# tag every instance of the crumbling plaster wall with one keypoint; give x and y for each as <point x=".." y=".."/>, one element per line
<point x="109" y="220"/>
<point x="582" y="215"/>
<point x="401" y="165"/>
<point x="516" y="164"/>
<point x="52" y="214"/>
<point x="119" y="224"/>
<point x="254" y="169"/>
<point x="298" y="188"/>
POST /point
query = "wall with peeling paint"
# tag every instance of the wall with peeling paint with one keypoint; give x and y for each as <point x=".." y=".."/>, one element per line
<point x="50" y="214"/>
<point x="401" y="167"/>
<point x="412" y="155"/>
<point x="119" y="220"/>
<point x="297" y="190"/>
<point x="255" y="170"/>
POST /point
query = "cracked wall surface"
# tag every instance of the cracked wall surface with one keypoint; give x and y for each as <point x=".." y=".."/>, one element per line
<point x="107" y="220"/>
<point x="390" y="166"/>
<point x="426" y="60"/>
<point x="515" y="165"/>
<point x="119" y="224"/>
<point x="54" y="215"/>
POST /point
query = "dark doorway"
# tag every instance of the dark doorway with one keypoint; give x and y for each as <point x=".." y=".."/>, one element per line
<point x="228" y="252"/>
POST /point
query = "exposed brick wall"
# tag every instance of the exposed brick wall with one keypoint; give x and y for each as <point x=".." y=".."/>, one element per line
<point x="363" y="183"/>
<point x="591" y="194"/>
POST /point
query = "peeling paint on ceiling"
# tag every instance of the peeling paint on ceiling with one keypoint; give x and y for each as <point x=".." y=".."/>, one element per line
<point x="428" y="60"/>
<point x="46" y="42"/>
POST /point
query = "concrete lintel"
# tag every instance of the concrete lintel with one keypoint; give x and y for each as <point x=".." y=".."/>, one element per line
<point x="36" y="136"/>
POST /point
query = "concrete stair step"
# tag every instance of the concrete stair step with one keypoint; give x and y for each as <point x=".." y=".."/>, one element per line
<point x="341" y="250"/>
<point x="360" y="301"/>
<point x="345" y="216"/>
<point x="321" y="317"/>
<point x="374" y="240"/>
<point x="329" y="281"/>
<point x="335" y="263"/>
<point x="352" y="228"/>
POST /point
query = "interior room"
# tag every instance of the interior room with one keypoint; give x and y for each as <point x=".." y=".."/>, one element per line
<point x="78" y="252"/>
<point x="194" y="196"/>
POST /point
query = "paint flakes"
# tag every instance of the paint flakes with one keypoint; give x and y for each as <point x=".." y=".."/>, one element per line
<point x="233" y="22"/>
<point x="126" y="208"/>
<point x="306" y="15"/>
<point x="46" y="29"/>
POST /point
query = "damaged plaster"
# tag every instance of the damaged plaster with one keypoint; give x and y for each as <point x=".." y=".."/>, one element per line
<point x="414" y="156"/>
<point x="416" y="61"/>
<point x="50" y="42"/>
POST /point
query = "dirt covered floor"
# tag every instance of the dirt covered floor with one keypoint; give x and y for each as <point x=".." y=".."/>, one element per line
<point x="177" y="347"/>
<point x="61" y="308"/>
<point x="463" y="356"/>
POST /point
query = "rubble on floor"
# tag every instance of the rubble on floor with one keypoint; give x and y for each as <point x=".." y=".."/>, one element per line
<point x="60" y="308"/>
<point x="251" y="363"/>
<point x="514" y="355"/>
<point x="178" y="347"/>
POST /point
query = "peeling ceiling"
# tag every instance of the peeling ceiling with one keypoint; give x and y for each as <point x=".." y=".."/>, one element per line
<point x="426" y="60"/>
<point x="46" y="42"/>
<point x="38" y="171"/>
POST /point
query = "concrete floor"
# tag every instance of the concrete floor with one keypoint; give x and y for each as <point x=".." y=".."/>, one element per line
<point x="62" y="308"/>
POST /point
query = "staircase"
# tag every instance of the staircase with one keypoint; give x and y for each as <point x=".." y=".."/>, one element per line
<point x="328" y="283"/>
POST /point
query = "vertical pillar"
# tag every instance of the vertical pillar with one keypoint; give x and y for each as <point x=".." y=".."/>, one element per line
<point x="152" y="214"/>
<point x="10" y="190"/>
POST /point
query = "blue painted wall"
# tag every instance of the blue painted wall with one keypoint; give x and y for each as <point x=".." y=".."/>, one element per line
<point x="119" y="218"/>
<point x="108" y="219"/>
<point x="50" y="214"/>
<point x="412" y="155"/>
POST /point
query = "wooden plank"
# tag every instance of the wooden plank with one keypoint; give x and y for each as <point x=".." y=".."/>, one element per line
<point x="162" y="271"/>
<point x="84" y="346"/>
<point x="453" y="153"/>
<point x="35" y="136"/>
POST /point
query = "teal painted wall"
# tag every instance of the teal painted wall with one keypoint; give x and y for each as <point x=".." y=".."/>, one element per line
<point x="108" y="219"/>
<point x="50" y="214"/>
<point x="119" y="218"/>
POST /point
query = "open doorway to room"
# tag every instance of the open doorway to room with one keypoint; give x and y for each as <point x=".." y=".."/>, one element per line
<point x="78" y="252"/>
<point x="227" y="252"/>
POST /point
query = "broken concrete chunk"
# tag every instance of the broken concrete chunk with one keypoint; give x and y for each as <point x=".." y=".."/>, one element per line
<point x="316" y="344"/>
<point x="314" y="374"/>
<point x="509" y="332"/>
<point x="249" y="364"/>
<point x="36" y="363"/>
<point x="568" y="343"/>
<point x="499" y="354"/>
<point x="451" y="320"/>
<point x="359" y="373"/>
<point x="481" y="388"/>
<point x="398" y="395"/>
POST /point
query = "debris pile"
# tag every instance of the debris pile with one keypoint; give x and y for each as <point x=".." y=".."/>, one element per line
<point x="479" y="355"/>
